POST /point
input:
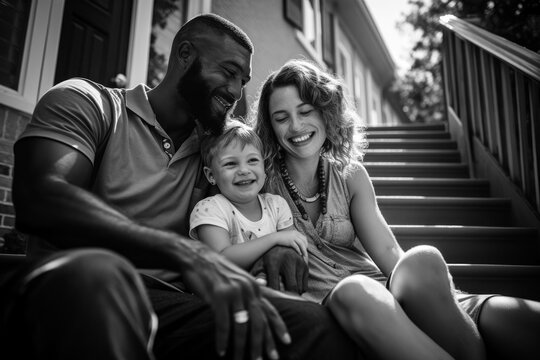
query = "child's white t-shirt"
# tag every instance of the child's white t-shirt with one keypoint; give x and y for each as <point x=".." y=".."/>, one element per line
<point x="219" y="211"/>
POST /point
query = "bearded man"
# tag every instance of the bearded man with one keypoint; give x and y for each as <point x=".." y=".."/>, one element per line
<point x="103" y="185"/>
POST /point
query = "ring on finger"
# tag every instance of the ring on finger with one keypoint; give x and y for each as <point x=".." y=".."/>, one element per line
<point x="241" y="317"/>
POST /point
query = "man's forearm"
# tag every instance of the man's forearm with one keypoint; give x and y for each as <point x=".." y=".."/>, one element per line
<point x="69" y="216"/>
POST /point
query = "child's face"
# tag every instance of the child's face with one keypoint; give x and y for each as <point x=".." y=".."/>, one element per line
<point x="238" y="172"/>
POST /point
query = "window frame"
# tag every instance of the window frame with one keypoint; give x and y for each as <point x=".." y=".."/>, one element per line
<point x="35" y="51"/>
<point x="315" y="51"/>
<point x="359" y="82"/>
<point x="41" y="50"/>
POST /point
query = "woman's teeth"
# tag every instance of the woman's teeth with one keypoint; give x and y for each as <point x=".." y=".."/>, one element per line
<point x="300" y="138"/>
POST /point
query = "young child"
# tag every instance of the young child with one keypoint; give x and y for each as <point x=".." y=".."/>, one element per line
<point x="241" y="223"/>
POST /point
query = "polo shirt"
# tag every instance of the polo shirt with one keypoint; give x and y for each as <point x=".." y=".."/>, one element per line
<point x="140" y="172"/>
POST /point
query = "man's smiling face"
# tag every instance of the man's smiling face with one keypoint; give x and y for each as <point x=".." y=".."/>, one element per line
<point x="215" y="80"/>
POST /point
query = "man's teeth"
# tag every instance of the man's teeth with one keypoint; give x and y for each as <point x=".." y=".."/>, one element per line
<point x="223" y="102"/>
<point x="300" y="138"/>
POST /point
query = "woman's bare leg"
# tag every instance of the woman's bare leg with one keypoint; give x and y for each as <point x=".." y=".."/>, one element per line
<point x="423" y="286"/>
<point x="511" y="328"/>
<point x="374" y="319"/>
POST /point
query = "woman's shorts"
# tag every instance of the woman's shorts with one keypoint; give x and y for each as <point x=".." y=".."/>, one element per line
<point x="471" y="303"/>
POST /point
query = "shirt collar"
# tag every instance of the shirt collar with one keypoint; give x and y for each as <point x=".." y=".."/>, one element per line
<point x="137" y="101"/>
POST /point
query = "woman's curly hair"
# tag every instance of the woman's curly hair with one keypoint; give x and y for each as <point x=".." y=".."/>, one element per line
<point x="345" y="137"/>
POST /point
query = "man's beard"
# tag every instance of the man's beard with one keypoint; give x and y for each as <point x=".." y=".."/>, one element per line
<point x="195" y="90"/>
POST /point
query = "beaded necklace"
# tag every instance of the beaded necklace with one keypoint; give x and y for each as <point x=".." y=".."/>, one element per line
<point x="295" y="193"/>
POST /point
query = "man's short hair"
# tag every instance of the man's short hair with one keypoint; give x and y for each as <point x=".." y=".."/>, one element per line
<point x="218" y="23"/>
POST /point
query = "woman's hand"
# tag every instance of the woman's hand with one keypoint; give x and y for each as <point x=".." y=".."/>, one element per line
<point x="240" y="310"/>
<point x="295" y="240"/>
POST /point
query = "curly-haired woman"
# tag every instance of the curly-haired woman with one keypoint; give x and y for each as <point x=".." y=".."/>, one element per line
<point x="394" y="304"/>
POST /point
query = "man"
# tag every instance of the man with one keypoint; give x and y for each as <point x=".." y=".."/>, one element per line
<point x="103" y="175"/>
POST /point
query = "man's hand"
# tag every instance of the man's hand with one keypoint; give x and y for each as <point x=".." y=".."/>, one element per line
<point x="285" y="262"/>
<point x="295" y="240"/>
<point x="239" y="308"/>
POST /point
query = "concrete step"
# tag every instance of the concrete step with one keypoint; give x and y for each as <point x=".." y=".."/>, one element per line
<point x="412" y="155"/>
<point x="404" y="134"/>
<point x="412" y="144"/>
<point x="422" y="170"/>
<point x="440" y="126"/>
<point x="475" y="244"/>
<point x="412" y="210"/>
<point x="430" y="187"/>
<point x="512" y="280"/>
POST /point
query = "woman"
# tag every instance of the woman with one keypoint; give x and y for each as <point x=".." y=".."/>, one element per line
<point x="308" y="126"/>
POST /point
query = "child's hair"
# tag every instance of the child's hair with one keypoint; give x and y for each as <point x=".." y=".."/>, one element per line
<point x="234" y="130"/>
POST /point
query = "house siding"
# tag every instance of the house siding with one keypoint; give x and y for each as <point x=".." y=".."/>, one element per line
<point x="12" y="123"/>
<point x="274" y="38"/>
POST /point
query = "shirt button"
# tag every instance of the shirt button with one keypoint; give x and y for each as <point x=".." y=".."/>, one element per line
<point x="167" y="145"/>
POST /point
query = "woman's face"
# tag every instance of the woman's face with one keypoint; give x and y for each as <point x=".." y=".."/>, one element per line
<point x="298" y="126"/>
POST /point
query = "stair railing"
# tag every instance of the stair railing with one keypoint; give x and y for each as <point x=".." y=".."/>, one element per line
<point x="492" y="87"/>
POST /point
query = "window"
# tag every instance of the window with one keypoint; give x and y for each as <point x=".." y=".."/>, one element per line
<point x="25" y="27"/>
<point x="310" y="22"/>
<point x="305" y="16"/>
<point x="359" y="92"/>
<point x="328" y="42"/>
<point x="14" y="24"/>
<point x="344" y="68"/>
<point x="167" y="18"/>
<point x="374" y="109"/>
<point x="33" y="59"/>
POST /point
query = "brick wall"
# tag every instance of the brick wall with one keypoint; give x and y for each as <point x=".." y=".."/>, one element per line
<point x="12" y="123"/>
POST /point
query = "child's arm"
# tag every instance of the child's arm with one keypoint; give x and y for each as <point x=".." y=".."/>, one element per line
<point x="245" y="254"/>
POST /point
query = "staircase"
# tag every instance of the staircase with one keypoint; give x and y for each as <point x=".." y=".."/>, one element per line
<point x="426" y="195"/>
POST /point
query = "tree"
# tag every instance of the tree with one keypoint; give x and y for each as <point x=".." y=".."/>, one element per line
<point x="421" y="88"/>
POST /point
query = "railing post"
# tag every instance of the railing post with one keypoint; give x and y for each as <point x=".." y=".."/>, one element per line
<point x="463" y="110"/>
<point x="534" y="111"/>
<point x="492" y="86"/>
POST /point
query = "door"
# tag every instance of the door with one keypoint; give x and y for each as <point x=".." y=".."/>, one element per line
<point x="94" y="40"/>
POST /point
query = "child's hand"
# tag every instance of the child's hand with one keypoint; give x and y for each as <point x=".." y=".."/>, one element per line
<point x="296" y="240"/>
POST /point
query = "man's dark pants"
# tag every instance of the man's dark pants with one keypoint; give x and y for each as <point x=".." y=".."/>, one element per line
<point x="92" y="304"/>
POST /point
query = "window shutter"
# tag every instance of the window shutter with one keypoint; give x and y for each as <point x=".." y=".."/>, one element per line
<point x="13" y="24"/>
<point x="293" y="13"/>
<point x="327" y="34"/>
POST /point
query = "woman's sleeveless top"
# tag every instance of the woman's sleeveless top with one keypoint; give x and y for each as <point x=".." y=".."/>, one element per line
<point x="334" y="250"/>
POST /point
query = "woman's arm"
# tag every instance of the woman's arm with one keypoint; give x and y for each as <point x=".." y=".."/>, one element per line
<point x="246" y="253"/>
<point x="370" y="225"/>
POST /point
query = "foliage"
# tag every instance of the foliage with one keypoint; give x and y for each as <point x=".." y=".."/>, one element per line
<point x="421" y="88"/>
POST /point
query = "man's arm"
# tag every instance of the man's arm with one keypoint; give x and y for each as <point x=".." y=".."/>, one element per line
<point x="51" y="197"/>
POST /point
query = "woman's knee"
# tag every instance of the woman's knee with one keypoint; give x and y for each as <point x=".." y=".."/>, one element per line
<point x="510" y="327"/>
<point x="421" y="272"/>
<point x="360" y="297"/>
